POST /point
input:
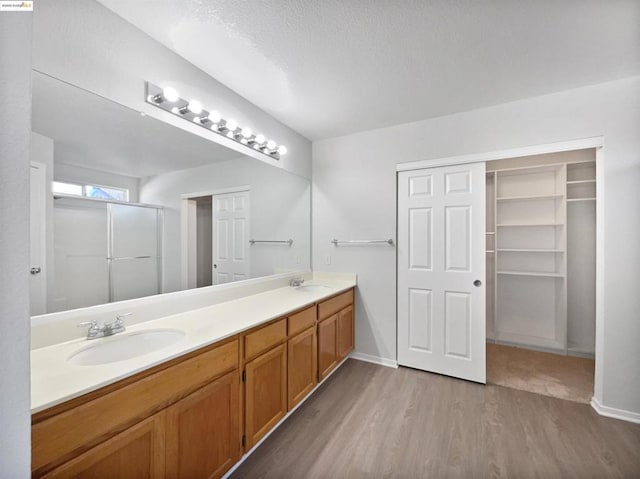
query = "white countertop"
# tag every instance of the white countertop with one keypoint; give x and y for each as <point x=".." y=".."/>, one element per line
<point x="54" y="380"/>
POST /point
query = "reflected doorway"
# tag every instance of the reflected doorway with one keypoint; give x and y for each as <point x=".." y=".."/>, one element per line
<point x="215" y="245"/>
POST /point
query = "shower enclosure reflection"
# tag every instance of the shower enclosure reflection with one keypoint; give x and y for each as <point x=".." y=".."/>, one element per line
<point x="104" y="252"/>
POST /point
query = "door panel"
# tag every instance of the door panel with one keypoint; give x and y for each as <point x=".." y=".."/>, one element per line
<point x="345" y="333"/>
<point x="265" y="393"/>
<point x="203" y="431"/>
<point x="441" y="245"/>
<point x="302" y="368"/>
<point x="327" y="346"/>
<point x="137" y="452"/>
<point x="231" y="237"/>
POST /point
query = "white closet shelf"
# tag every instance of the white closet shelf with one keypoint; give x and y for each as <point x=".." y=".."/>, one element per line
<point x="490" y="251"/>
<point x="528" y="198"/>
<point x="527" y="250"/>
<point x="574" y="200"/>
<point x="532" y="273"/>
<point x="490" y="233"/>
<point x="529" y="224"/>
<point x="580" y="182"/>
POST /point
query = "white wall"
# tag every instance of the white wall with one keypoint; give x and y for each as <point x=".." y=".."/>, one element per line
<point x="85" y="44"/>
<point x="354" y="196"/>
<point x="280" y="209"/>
<point x="15" y="125"/>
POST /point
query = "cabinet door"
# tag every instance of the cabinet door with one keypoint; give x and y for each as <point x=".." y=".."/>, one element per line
<point x="302" y="371"/>
<point x="266" y="393"/>
<point x="345" y="332"/>
<point x="137" y="452"/>
<point x="327" y="345"/>
<point x="203" y="430"/>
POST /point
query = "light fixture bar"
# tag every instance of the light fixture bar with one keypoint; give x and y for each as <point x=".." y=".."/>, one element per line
<point x="169" y="100"/>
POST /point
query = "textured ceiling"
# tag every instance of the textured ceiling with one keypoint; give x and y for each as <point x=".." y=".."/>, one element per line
<point x="332" y="67"/>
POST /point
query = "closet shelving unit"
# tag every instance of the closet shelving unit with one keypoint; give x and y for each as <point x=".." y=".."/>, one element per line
<point x="530" y="300"/>
<point x="529" y="263"/>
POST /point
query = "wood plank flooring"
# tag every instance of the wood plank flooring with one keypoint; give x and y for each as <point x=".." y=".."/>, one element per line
<point x="368" y="421"/>
<point x="564" y="377"/>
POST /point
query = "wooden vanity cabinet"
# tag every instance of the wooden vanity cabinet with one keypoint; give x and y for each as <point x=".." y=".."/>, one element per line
<point x="302" y="361"/>
<point x="327" y="345"/>
<point x="137" y="452"/>
<point x="181" y="416"/>
<point x="345" y="333"/>
<point x="335" y="332"/>
<point x="265" y="379"/>
<point x="186" y="418"/>
<point x="265" y="393"/>
<point x="203" y="431"/>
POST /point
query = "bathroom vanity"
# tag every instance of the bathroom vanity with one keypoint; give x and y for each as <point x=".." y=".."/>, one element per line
<point x="195" y="407"/>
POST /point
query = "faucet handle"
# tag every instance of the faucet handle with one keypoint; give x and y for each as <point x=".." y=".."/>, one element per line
<point x="94" y="330"/>
<point x="120" y="317"/>
<point x="93" y="324"/>
<point x="119" y="322"/>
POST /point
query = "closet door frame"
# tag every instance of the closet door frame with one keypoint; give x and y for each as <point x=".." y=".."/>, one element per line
<point x="594" y="142"/>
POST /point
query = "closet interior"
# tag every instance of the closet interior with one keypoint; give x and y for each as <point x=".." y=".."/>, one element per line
<point x="540" y="231"/>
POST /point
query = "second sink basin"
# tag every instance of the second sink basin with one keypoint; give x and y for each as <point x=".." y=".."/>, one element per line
<point x="313" y="288"/>
<point x="121" y="347"/>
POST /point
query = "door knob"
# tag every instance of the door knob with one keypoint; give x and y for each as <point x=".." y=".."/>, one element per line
<point x="477" y="283"/>
<point x="35" y="271"/>
<point x="215" y="266"/>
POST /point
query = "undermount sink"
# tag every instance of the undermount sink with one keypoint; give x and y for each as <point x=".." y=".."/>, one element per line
<point x="313" y="288"/>
<point x="121" y="347"/>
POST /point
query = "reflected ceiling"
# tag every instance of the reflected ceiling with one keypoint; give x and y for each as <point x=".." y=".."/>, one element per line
<point x="93" y="132"/>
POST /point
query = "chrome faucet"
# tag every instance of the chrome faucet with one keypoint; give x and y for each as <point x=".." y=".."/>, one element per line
<point x="107" y="329"/>
<point x="295" y="282"/>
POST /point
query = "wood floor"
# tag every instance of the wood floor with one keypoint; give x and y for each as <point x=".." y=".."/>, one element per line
<point x="564" y="377"/>
<point x="369" y="421"/>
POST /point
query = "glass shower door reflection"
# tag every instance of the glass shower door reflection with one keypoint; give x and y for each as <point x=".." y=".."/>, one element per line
<point x="135" y="251"/>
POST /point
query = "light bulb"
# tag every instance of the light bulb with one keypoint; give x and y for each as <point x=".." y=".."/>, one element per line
<point x="175" y="110"/>
<point x="232" y="125"/>
<point x="197" y="119"/>
<point x="282" y="150"/>
<point x="170" y="94"/>
<point x="195" y="107"/>
<point x="215" y="117"/>
<point x="271" y="145"/>
<point x="259" y="139"/>
<point x="246" y="132"/>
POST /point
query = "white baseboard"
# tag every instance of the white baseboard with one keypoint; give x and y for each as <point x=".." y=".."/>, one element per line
<point x="390" y="363"/>
<point x="615" y="413"/>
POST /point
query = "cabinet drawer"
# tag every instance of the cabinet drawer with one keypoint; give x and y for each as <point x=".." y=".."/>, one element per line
<point x="64" y="435"/>
<point x="335" y="304"/>
<point x="302" y="320"/>
<point x="264" y="338"/>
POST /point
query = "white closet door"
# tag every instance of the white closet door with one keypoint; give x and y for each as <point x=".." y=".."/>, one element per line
<point x="441" y="270"/>
<point x="231" y="237"/>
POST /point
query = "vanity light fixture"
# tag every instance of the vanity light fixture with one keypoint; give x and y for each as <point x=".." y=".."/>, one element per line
<point x="193" y="111"/>
<point x="169" y="94"/>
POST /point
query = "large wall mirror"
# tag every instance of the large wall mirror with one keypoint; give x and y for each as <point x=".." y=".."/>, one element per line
<point x="125" y="206"/>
